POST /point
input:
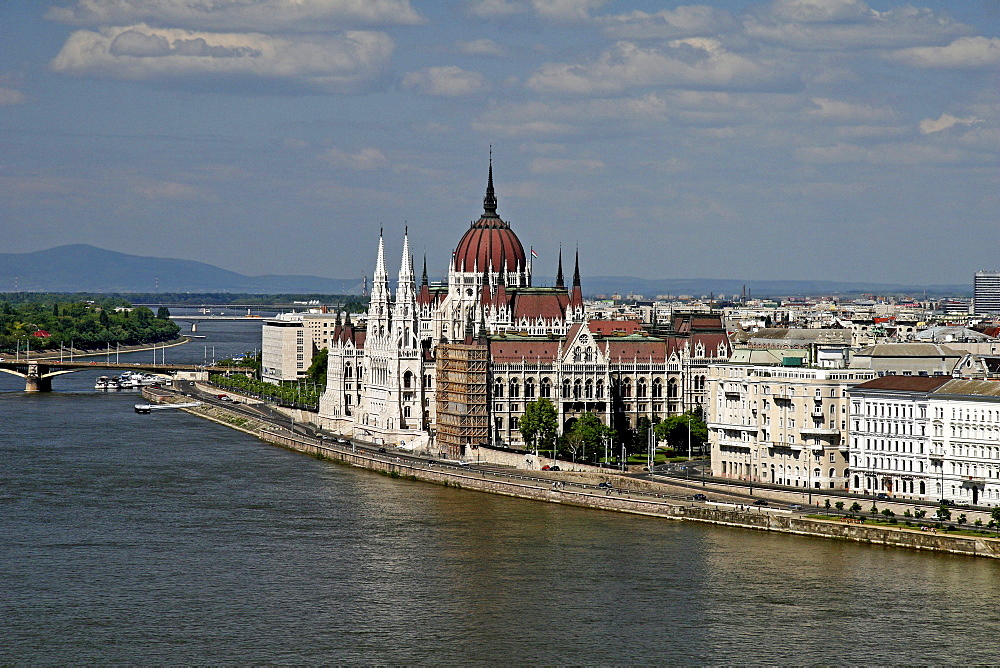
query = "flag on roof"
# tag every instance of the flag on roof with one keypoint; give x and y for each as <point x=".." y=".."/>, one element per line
<point x="533" y="253"/>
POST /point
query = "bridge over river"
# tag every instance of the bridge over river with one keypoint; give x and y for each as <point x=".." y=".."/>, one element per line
<point x="38" y="373"/>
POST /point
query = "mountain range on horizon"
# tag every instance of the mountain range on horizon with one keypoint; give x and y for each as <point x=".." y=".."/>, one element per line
<point x="86" y="268"/>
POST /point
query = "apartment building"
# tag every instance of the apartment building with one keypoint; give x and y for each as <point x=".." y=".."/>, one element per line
<point x="771" y="419"/>
<point x="926" y="438"/>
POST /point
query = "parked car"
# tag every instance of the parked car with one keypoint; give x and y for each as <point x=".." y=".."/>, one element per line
<point x="881" y="496"/>
<point x="381" y="449"/>
<point x="604" y="485"/>
<point x="794" y="506"/>
<point x="555" y="468"/>
<point x="700" y="497"/>
<point x="760" y="502"/>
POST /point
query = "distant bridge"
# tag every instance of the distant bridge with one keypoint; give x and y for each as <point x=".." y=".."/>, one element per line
<point x="38" y="373"/>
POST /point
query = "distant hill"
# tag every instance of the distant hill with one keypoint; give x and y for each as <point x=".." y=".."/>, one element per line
<point x="84" y="268"/>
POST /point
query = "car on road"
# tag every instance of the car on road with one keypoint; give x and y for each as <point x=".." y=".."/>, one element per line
<point x="947" y="502"/>
<point x="555" y="468"/>
<point x="760" y="502"/>
<point x="604" y="485"/>
<point x="700" y="497"/>
<point x="794" y="506"/>
<point x="881" y="496"/>
<point x="381" y="449"/>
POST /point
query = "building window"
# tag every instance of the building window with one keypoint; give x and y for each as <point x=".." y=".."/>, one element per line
<point x="546" y="388"/>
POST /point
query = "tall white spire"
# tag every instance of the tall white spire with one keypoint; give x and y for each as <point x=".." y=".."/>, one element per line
<point x="378" y="309"/>
<point x="404" y="312"/>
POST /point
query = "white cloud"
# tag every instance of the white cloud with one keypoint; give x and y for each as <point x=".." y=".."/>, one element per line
<point x="557" y="10"/>
<point x="885" y="154"/>
<point x="566" y="10"/>
<point x="930" y="125"/>
<point x="838" y="111"/>
<point x="816" y="11"/>
<point x="338" y="63"/>
<point x="10" y="97"/>
<point x="482" y="47"/>
<point x="366" y="159"/>
<point x="262" y="15"/>
<point x="848" y="25"/>
<point x="565" y="166"/>
<point x="684" y="21"/>
<point x="448" y="81"/>
<point x="963" y="52"/>
<point x="696" y="62"/>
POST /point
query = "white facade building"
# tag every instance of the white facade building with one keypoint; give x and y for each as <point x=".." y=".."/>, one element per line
<point x="927" y="439"/>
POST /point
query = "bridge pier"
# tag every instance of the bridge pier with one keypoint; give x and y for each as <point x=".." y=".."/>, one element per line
<point x="37" y="384"/>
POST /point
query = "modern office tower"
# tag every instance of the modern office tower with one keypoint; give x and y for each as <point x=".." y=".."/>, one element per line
<point x="986" y="292"/>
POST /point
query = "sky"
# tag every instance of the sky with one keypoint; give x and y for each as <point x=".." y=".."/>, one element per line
<point x="795" y="139"/>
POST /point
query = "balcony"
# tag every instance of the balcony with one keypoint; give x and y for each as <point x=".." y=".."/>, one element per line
<point x="818" y="430"/>
<point x="817" y="412"/>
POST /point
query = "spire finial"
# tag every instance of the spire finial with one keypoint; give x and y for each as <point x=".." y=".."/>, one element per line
<point x="423" y="279"/>
<point x="576" y="269"/>
<point x="559" y="274"/>
<point x="490" y="201"/>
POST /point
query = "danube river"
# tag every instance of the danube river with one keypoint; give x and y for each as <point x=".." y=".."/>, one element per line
<point x="164" y="538"/>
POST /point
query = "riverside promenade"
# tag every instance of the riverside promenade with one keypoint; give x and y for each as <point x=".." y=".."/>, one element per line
<point x="627" y="495"/>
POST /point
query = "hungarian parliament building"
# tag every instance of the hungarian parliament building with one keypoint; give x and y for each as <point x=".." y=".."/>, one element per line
<point x="456" y="362"/>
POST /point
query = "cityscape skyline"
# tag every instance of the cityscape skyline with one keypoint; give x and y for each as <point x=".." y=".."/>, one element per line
<point x="789" y="140"/>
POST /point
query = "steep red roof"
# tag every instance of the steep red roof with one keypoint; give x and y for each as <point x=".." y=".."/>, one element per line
<point x="548" y="305"/>
<point x="905" y="383"/>
<point x="629" y="350"/>
<point x="518" y="350"/>
<point x="612" y="327"/>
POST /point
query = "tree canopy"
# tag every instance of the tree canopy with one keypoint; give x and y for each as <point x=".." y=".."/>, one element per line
<point x="45" y="325"/>
<point x="539" y="424"/>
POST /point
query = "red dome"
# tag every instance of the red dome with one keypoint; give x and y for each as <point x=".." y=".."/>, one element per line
<point x="489" y="242"/>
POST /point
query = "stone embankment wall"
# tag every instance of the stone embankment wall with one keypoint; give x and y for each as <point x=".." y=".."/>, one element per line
<point x="640" y="497"/>
<point x="622" y="501"/>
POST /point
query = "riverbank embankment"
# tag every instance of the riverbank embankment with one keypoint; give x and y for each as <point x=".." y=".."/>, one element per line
<point x="639" y="497"/>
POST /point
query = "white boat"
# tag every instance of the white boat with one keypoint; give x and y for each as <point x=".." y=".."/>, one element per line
<point x="102" y="383"/>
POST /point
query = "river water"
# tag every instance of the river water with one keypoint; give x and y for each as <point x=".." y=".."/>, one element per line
<point x="164" y="538"/>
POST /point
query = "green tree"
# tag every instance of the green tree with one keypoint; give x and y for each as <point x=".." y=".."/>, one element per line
<point x="995" y="514"/>
<point x="674" y="430"/>
<point x="539" y="424"/>
<point x="163" y="313"/>
<point x="591" y="433"/>
<point x="943" y="513"/>
<point x="839" y="505"/>
<point x="855" y="507"/>
<point x="642" y="428"/>
<point x="317" y="369"/>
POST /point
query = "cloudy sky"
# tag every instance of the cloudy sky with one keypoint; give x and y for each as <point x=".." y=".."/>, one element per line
<point x="794" y="139"/>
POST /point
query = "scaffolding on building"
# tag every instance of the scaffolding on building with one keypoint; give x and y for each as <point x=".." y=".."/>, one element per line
<point x="462" y="399"/>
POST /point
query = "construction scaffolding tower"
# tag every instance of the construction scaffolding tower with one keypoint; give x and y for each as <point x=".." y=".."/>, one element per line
<point x="462" y="399"/>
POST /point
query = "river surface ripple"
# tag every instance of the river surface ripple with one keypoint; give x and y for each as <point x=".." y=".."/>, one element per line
<point x="164" y="538"/>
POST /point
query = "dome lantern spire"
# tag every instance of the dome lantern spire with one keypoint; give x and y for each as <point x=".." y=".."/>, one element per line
<point x="490" y="201"/>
